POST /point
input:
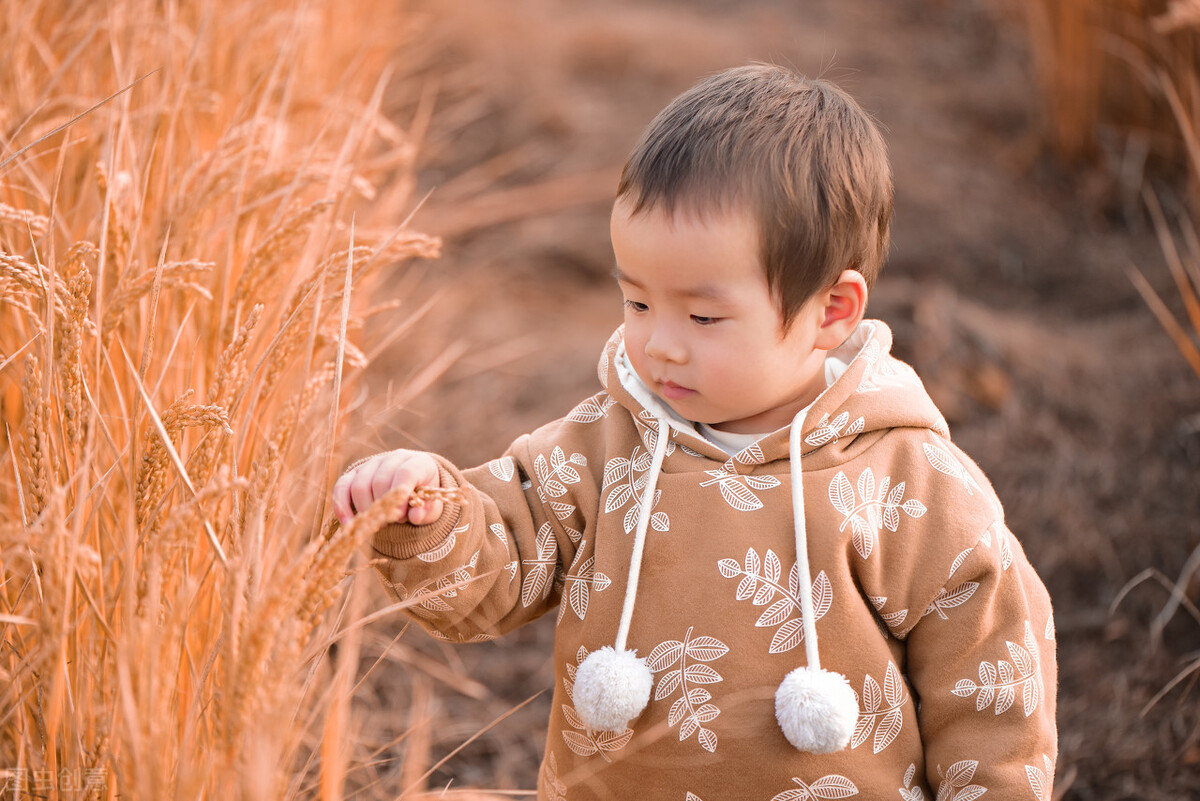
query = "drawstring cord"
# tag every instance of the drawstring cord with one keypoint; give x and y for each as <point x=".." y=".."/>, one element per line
<point x="639" y="538"/>
<point x="807" y="615"/>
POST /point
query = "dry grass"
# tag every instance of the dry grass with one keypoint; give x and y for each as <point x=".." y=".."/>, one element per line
<point x="1133" y="67"/>
<point x="189" y="201"/>
<point x="1129" y="67"/>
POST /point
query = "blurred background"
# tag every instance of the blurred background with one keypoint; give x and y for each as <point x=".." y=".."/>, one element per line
<point x="244" y="242"/>
<point x="1027" y="138"/>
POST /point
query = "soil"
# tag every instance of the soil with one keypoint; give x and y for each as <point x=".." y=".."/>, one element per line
<point x="1006" y="289"/>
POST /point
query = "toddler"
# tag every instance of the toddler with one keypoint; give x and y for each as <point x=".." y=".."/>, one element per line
<point x="757" y="473"/>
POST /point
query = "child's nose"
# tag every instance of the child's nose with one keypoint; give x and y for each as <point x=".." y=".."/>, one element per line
<point x="665" y="345"/>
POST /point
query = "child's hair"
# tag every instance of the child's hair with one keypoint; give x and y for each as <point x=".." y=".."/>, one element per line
<point x="798" y="154"/>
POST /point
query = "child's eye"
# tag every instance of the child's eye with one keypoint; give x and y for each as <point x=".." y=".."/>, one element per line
<point x="700" y="319"/>
<point x="636" y="306"/>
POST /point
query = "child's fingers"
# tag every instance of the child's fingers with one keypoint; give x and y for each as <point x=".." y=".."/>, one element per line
<point x="362" y="493"/>
<point x="341" y="499"/>
<point x="426" y="513"/>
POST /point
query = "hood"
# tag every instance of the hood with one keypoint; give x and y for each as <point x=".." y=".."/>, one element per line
<point x="868" y="392"/>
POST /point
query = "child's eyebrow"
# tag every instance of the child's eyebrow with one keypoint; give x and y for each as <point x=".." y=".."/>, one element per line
<point x="699" y="292"/>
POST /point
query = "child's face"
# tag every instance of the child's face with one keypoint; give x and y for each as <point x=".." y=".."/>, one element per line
<point x="701" y="327"/>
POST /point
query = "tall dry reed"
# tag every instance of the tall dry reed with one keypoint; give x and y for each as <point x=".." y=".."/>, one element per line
<point x="1129" y="67"/>
<point x="191" y="204"/>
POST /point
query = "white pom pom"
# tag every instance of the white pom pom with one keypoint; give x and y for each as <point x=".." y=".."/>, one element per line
<point x="611" y="688"/>
<point x="816" y="709"/>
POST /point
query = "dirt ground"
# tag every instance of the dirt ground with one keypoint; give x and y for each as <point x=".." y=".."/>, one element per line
<point x="1006" y="290"/>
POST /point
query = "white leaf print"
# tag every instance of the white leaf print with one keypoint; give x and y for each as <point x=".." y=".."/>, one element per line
<point x="692" y="708"/>
<point x="866" y="484"/>
<point x="440" y="551"/>
<point x="765" y="593"/>
<point x="864" y="538"/>
<point x="562" y="510"/>
<point x="841" y="494"/>
<point x="537" y="578"/>
<point x="1040" y="781"/>
<point x="872" y="697"/>
<point x="944" y="462"/>
<point x="706" y="649"/>
<point x="688" y="727"/>
<point x="616" y="469"/>
<point x="776" y="613"/>
<point x="1050" y="628"/>
<point x="503" y="468"/>
<point x="1029" y="697"/>
<point x="891" y="518"/>
<point x="889" y="728"/>
<point x="762" y="482"/>
<point x="660" y="522"/>
<point x="822" y="595"/>
<point x="772" y="569"/>
<point x="1021" y="658"/>
<point x="701" y="673"/>
<point x="883" y="708"/>
<point x="751" y="455"/>
<point x="498" y="530"/>
<point x="678" y="710"/>
<point x="1005" y="695"/>
<point x="862" y="730"/>
<point x="572" y="717"/>
<point x="945" y="600"/>
<point x="581" y="744"/>
<point x="789" y="635"/>
<point x="893" y="686"/>
<point x="868" y="510"/>
<point x="827" y="787"/>
<point x="833" y="787"/>
<point x="618" y="498"/>
<point x="739" y="496"/>
<point x="664" y="655"/>
<point x="961" y="773"/>
<point x="630" y="519"/>
<point x="757" y="585"/>
<point x="958" y="560"/>
<point x="911" y="793"/>
<point x="668" y="684"/>
<point x="589" y="411"/>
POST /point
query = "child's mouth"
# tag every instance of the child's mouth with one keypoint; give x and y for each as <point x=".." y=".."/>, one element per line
<point x="673" y="391"/>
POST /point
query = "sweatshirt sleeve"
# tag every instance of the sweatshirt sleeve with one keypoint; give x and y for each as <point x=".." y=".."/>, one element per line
<point x="496" y="560"/>
<point x="981" y="660"/>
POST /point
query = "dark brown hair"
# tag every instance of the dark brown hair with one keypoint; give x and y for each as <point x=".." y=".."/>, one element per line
<point x="798" y="154"/>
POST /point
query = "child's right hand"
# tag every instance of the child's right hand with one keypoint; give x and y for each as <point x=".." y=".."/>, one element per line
<point x="369" y="481"/>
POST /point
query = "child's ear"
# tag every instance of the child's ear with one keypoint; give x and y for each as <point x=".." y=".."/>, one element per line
<point x="845" y="303"/>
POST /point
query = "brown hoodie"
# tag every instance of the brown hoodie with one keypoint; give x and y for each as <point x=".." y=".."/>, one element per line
<point x="921" y="596"/>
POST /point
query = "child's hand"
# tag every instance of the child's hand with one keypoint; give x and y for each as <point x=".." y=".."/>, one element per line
<point x="361" y="486"/>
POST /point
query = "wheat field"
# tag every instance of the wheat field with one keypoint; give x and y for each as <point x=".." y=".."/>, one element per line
<point x="196" y="200"/>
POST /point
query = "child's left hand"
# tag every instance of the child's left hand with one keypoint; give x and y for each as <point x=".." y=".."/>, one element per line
<point x="369" y="481"/>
